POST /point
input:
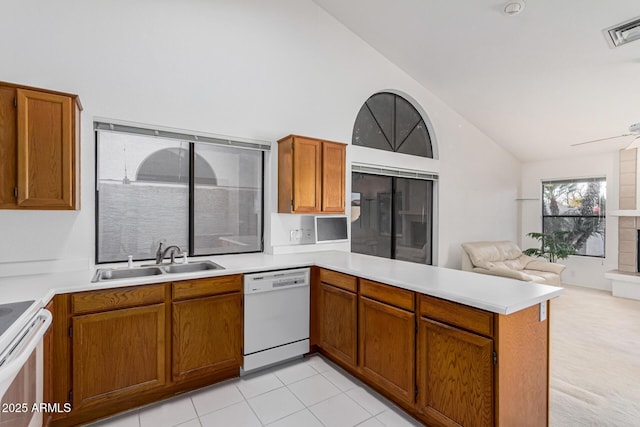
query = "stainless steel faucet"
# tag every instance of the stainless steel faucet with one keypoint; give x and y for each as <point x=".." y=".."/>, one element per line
<point x="160" y="254"/>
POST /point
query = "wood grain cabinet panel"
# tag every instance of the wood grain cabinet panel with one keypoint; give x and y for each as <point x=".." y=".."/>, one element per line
<point x="45" y="150"/>
<point x="307" y="184"/>
<point x="311" y="175"/>
<point x="206" y="335"/>
<point x="118" y="353"/>
<point x="333" y="177"/>
<point x="455" y="375"/>
<point x="8" y="147"/>
<point x="117" y="349"/>
<point x="387" y="347"/>
<point x="465" y="317"/>
<point x="338" y="323"/>
<point x="339" y="280"/>
<point x="186" y="289"/>
<point x="396" y="297"/>
<point x="39" y="143"/>
<point x="111" y="299"/>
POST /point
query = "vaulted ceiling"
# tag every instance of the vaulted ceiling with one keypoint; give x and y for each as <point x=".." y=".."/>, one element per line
<point x="536" y="82"/>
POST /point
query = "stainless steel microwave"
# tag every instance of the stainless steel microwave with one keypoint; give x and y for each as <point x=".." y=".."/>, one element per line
<point x="324" y="229"/>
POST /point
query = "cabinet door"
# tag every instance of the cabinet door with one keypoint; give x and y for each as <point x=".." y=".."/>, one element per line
<point x="207" y="335"/>
<point x="386" y="337"/>
<point x="455" y="375"/>
<point x="118" y="353"/>
<point x="333" y="176"/>
<point x="45" y="150"/>
<point x="338" y="317"/>
<point x="307" y="187"/>
<point x="8" y="146"/>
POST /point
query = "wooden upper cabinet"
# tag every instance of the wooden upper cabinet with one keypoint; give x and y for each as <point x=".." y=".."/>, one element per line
<point x="306" y="185"/>
<point x="311" y="175"/>
<point x="8" y="146"/>
<point x="39" y="139"/>
<point x="333" y="177"/>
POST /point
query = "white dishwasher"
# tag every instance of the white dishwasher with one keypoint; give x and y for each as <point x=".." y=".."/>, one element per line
<point x="276" y="317"/>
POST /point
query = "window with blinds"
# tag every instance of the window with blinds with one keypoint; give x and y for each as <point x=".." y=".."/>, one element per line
<point x="201" y="193"/>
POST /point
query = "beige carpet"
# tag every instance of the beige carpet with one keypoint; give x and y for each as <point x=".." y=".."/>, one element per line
<point x="595" y="359"/>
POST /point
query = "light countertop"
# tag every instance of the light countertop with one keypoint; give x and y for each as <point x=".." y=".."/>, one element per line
<point x="496" y="294"/>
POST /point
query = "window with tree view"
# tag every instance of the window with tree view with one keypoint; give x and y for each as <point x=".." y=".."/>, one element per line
<point x="576" y="207"/>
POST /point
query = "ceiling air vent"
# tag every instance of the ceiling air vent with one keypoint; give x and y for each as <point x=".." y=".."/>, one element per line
<point x="623" y="33"/>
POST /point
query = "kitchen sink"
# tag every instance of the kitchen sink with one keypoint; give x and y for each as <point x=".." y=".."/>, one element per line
<point x="105" y="274"/>
<point x="191" y="268"/>
<point x="124" y="273"/>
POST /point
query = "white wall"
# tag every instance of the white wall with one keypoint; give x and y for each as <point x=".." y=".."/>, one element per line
<point x="245" y="68"/>
<point x="582" y="271"/>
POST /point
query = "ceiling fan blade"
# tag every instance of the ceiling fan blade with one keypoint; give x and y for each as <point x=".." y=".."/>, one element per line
<point x="634" y="144"/>
<point x="602" y="139"/>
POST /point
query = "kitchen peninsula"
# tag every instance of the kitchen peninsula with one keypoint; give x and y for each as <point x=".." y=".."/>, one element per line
<point x="449" y="347"/>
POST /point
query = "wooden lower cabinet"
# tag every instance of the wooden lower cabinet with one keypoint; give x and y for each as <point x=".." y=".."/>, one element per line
<point x="207" y="335"/>
<point x="455" y="375"/>
<point x="338" y="323"/>
<point x="387" y="347"/>
<point x="118" y="353"/>
<point x="445" y="363"/>
<point x="116" y="349"/>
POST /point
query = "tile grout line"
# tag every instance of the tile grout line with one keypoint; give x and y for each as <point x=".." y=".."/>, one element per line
<point x="220" y="408"/>
<point x="330" y="370"/>
<point x="251" y="407"/>
<point x="194" y="410"/>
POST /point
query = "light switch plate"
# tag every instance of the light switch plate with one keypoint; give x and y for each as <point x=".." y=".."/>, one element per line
<point x="543" y="311"/>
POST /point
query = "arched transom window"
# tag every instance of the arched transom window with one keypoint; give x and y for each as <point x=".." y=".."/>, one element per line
<point x="389" y="122"/>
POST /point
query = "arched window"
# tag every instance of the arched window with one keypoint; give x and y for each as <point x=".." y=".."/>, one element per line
<point x="389" y="122"/>
<point x="172" y="165"/>
<point x="392" y="214"/>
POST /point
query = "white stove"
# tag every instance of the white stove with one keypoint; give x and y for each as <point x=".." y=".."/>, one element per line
<point x="22" y="327"/>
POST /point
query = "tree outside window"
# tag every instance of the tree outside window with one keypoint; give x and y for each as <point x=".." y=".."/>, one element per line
<point x="577" y="207"/>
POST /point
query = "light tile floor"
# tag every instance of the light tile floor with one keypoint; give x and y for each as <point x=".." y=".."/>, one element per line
<point x="310" y="392"/>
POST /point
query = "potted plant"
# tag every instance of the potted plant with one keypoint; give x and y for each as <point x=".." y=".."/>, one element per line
<point x="552" y="246"/>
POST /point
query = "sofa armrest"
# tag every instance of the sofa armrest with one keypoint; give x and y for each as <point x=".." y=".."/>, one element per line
<point x="551" y="267"/>
<point x="504" y="272"/>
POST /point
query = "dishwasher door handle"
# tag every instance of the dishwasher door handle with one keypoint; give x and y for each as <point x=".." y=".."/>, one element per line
<point x="261" y="289"/>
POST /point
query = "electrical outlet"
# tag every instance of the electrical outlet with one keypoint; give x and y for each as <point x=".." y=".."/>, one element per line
<point x="543" y="311"/>
<point x="294" y="235"/>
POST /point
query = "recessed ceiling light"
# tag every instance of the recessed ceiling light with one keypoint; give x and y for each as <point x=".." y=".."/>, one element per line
<point x="513" y="8"/>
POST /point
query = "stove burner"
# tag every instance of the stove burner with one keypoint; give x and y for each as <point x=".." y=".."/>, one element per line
<point x="10" y="312"/>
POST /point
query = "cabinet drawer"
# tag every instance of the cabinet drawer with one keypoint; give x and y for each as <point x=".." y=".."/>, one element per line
<point x="340" y="280"/>
<point x="112" y="299"/>
<point x="400" y="298"/>
<point x="205" y="287"/>
<point x="462" y="316"/>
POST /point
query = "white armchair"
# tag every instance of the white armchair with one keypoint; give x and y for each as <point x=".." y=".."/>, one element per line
<point x="504" y="258"/>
